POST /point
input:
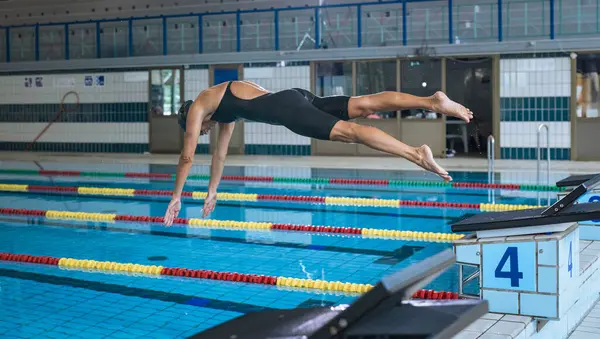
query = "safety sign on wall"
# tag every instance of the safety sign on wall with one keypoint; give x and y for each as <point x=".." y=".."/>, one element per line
<point x="99" y="80"/>
<point x="88" y="81"/>
<point x="34" y="82"/>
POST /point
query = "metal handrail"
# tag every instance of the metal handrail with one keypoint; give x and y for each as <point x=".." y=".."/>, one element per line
<point x="402" y="16"/>
<point x="463" y="281"/>
<point x="491" y="151"/>
<point x="539" y="159"/>
<point x="539" y="153"/>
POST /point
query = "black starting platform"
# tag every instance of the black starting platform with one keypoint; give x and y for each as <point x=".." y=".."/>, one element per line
<point x="385" y="312"/>
<point x="562" y="212"/>
<point x="575" y="180"/>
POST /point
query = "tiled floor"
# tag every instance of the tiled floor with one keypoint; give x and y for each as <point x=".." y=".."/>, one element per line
<point x="590" y="326"/>
<point x="496" y="326"/>
<point x="493" y="325"/>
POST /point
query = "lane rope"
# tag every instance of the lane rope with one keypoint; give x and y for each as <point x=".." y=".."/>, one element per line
<point x="240" y="225"/>
<point x="153" y="270"/>
<point x="246" y="197"/>
<point x="291" y="180"/>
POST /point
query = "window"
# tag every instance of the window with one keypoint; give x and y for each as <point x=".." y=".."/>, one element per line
<point x="420" y="78"/>
<point x="376" y="76"/>
<point x="165" y="93"/>
<point x="588" y="86"/>
<point x="334" y="78"/>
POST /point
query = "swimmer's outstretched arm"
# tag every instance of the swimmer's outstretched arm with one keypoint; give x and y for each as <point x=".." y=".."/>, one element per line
<point x="216" y="166"/>
<point x="195" y="117"/>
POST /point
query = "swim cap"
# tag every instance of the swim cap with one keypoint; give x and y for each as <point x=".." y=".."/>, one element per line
<point x="183" y="112"/>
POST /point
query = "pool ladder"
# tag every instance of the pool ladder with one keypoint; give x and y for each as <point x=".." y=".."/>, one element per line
<point x="463" y="281"/>
<point x="491" y="155"/>
<point x="541" y="127"/>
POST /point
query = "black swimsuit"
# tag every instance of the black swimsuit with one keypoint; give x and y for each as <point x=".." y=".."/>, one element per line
<point x="297" y="109"/>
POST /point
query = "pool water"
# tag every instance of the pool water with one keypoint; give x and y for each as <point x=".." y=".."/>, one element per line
<point x="48" y="301"/>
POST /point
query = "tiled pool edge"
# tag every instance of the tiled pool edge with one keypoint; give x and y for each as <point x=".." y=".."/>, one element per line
<point x="590" y="326"/>
<point x="495" y="325"/>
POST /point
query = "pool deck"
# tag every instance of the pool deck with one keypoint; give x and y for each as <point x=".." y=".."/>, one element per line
<point x="496" y="326"/>
<point x="590" y="326"/>
<point x="373" y="163"/>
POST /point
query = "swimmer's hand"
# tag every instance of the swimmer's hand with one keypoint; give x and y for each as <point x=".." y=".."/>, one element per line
<point x="209" y="204"/>
<point x="172" y="211"/>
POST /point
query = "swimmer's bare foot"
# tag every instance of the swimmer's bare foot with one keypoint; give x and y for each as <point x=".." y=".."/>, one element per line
<point x="427" y="162"/>
<point x="442" y="104"/>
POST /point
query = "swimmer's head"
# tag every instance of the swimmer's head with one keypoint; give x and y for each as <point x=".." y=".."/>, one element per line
<point x="182" y="118"/>
<point x="183" y="112"/>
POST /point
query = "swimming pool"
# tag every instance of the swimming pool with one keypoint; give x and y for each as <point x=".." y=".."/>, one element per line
<point x="66" y="301"/>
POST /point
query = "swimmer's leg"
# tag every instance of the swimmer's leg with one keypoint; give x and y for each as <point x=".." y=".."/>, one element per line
<point x="374" y="138"/>
<point x="365" y="105"/>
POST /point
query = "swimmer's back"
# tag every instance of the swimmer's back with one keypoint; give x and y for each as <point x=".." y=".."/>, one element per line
<point x="245" y="100"/>
<point x="212" y="97"/>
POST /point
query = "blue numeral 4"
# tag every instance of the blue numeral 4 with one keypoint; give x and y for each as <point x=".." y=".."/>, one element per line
<point x="570" y="262"/>
<point x="514" y="275"/>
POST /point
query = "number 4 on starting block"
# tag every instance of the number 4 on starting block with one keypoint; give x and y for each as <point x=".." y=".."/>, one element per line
<point x="509" y="266"/>
<point x="513" y="273"/>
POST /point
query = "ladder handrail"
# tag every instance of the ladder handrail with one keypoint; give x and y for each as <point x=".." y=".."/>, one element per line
<point x="491" y="151"/>
<point x="491" y="155"/>
<point x="539" y="153"/>
<point x="539" y="159"/>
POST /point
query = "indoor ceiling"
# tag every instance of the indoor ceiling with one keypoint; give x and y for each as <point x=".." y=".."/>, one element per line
<point x="13" y="12"/>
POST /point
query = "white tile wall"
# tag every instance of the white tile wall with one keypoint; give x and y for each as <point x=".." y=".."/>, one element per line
<point x="133" y="87"/>
<point x="524" y="134"/>
<point x="264" y="134"/>
<point x="279" y="78"/>
<point x="535" y="77"/>
<point x="275" y="79"/>
<point x="126" y="133"/>
<point x="117" y="88"/>
<point x="196" y="81"/>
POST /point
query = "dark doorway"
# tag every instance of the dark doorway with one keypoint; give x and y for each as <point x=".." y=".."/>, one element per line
<point x="469" y="82"/>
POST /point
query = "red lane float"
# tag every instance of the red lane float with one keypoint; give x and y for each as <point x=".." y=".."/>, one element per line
<point x="104" y="266"/>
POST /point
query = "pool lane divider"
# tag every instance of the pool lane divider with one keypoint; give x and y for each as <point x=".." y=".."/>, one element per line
<point x="153" y="270"/>
<point x="249" y="197"/>
<point x="240" y="225"/>
<point x="316" y="181"/>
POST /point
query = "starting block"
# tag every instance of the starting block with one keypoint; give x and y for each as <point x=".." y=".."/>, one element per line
<point x="589" y="229"/>
<point x="527" y="261"/>
<point x="383" y="312"/>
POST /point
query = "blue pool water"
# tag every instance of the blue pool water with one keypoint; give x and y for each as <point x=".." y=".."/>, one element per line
<point x="46" y="301"/>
